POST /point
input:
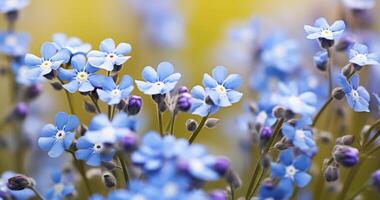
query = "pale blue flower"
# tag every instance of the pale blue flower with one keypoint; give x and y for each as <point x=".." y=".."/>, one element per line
<point x="357" y="96"/>
<point x="161" y="81"/>
<point x="14" y="44"/>
<point x="360" y="56"/>
<point x="12" y="5"/>
<point x="61" y="189"/>
<point x="322" y="29"/>
<point x="111" y="93"/>
<point x="94" y="152"/>
<point x="359" y="4"/>
<point x="298" y="102"/>
<point x="109" y="54"/>
<point x="222" y="88"/>
<point x="26" y="75"/>
<point x="199" y="104"/>
<point x="73" y="44"/>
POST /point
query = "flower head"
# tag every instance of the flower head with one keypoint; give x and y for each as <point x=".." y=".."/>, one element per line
<point x="322" y="29"/>
<point x="14" y="44"/>
<point x="73" y="44"/>
<point x="222" y="88"/>
<point x="82" y="77"/>
<point x="357" y="96"/>
<point x="26" y="75"/>
<point x="109" y="54"/>
<point x="61" y="188"/>
<point x="270" y="190"/>
<point x="12" y="5"/>
<point x="359" y="4"/>
<point x="56" y="138"/>
<point x="51" y="59"/>
<point x="200" y="105"/>
<point x="94" y="152"/>
<point x="111" y="93"/>
<point x="161" y="81"/>
<point x="360" y="56"/>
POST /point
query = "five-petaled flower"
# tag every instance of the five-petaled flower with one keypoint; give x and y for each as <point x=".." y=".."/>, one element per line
<point x="94" y="152"/>
<point x="357" y="96"/>
<point x="73" y="44"/>
<point x="111" y="93"/>
<point x="322" y="29"/>
<point x="61" y="189"/>
<point x="200" y="105"/>
<point x="109" y="55"/>
<point x="222" y="88"/>
<point x="59" y="137"/>
<point x="359" y="56"/>
<point x="14" y="44"/>
<point x="161" y="81"/>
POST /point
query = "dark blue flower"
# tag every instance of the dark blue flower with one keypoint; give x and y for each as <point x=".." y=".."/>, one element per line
<point x="222" y="88"/>
<point x="292" y="167"/>
<point x="13" y="5"/>
<point x="322" y="29"/>
<point x="109" y="54"/>
<point x="82" y="77"/>
<point x="14" y="44"/>
<point x="360" y="56"/>
<point x="161" y="81"/>
<point x="61" y="188"/>
<point x="199" y="103"/>
<point x="357" y="96"/>
<point x="94" y="152"/>
<point x="111" y="93"/>
<point x="73" y="44"/>
<point x="56" y="138"/>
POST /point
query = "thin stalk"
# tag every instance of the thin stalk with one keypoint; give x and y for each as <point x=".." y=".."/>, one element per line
<point x="113" y="111"/>
<point x="199" y="128"/>
<point x="172" y="122"/>
<point x="373" y="139"/>
<point x="38" y="194"/>
<point x="159" y="116"/>
<point x="69" y="101"/>
<point x="232" y="192"/>
<point x="318" y="115"/>
<point x="95" y="103"/>
<point x="109" y="111"/>
<point x="329" y="70"/>
<point x="124" y="168"/>
<point x="350" y="178"/>
<point x="257" y="184"/>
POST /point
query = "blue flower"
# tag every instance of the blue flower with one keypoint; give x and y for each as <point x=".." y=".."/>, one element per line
<point x="14" y="44"/>
<point x="94" y="152"/>
<point x="281" y="191"/>
<point x="111" y="93"/>
<point x="161" y="81"/>
<point x="322" y="30"/>
<point x="26" y="75"/>
<point x="357" y="96"/>
<point x="109" y="55"/>
<point x="51" y="58"/>
<point x="14" y="194"/>
<point x="222" y="88"/>
<point x="73" y="44"/>
<point x="292" y="168"/>
<point x="301" y="137"/>
<point x="14" y="5"/>
<point x="321" y="59"/>
<point x="360" y="56"/>
<point x="102" y="130"/>
<point x="57" y="138"/>
<point x="61" y="189"/>
<point x="82" y="77"/>
<point x="199" y="104"/>
<point x="359" y="4"/>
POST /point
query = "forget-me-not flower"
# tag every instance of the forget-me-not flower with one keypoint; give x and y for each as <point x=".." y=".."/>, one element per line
<point x="199" y="103"/>
<point x="82" y="77"/>
<point x="59" y="137"/>
<point x="109" y="54"/>
<point x="360" y="56"/>
<point x="161" y="81"/>
<point x="73" y="44"/>
<point x="298" y="102"/>
<point x="322" y="29"/>
<point x="14" y="44"/>
<point x="359" y="4"/>
<point x="280" y="191"/>
<point x="292" y="168"/>
<point x="26" y="75"/>
<point x="111" y="93"/>
<point x="357" y="96"/>
<point x="12" y="5"/>
<point x="222" y="88"/>
<point x="51" y="58"/>
<point x="61" y="189"/>
<point x="94" y="152"/>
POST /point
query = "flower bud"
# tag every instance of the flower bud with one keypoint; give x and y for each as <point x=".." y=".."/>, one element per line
<point x="191" y="125"/>
<point x="253" y="108"/>
<point x="211" y="122"/>
<point x="129" y="142"/>
<point x="331" y="172"/>
<point x="282" y="144"/>
<point x="33" y="91"/>
<point x="347" y="70"/>
<point x="321" y="59"/>
<point x="338" y="93"/>
<point x="184" y="101"/>
<point x="56" y="86"/>
<point x="122" y="105"/>
<point x="109" y="180"/>
<point x="265" y="135"/>
<point x="12" y="16"/>
<point x="19" y="182"/>
<point x="345" y="140"/>
<point x="325" y="137"/>
<point x="182" y="90"/>
<point x="222" y="165"/>
<point x="346" y="155"/>
<point x="209" y="101"/>
<point x="89" y="107"/>
<point x="110" y="165"/>
<point x="218" y="195"/>
<point x="266" y="161"/>
<point x="21" y="110"/>
<point x="50" y="75"/>
<point x="325" y="43"/>
<point x="278" y="112"/>
<point x="375" y="180"/>
<point x="134" y="105"/>
<point x="232" y="177"/>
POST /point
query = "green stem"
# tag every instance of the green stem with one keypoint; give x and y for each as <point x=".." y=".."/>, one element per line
<point x="38" y="194"/>
<point x="232" y="192"/>
<point x="159" y="116"/>
<point x="375" y="125"/>
<point x="329" y="70"/>
<point x="199" y="128"/>
<point x="69" y="101"/>
<point x="95" y="103"/>
<point x="318" y="115"/>
<point x="350" y="178"/>
<point x="124" y="168"/>
<point x="258" y="183"/>
<point x="172" y="122"/>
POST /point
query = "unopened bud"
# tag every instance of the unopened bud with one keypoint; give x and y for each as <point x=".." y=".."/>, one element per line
<point x="191" y="125"/>
<point x="182" y="90"/>
<point x="232" y="177"/>
<point x="321" y="59"/>
<point x="129" y="142"/>
<point x="282" y="144"/>
<point x="325" y="137"/>
<point x="33" y="91"/>
<point x="265" y="135"/>
<point x="279" y="112"/>
<point x="338" y="93"/>
<point x="347" y="70"/>
<point x="184" y="101"/>
<point x="345" y="140"/>
<point x="266" y="161"/>
<point x="218" y="195"/>
<point x="222" y="165"/>
<point x="56" y="85"/>
<point x="109" y="180"/>
<point x="122" y="105"/>
<point x="325" y="43"/>
<point x="331" y="172"/>
<point x="345" y="155"/>
<point x="19" y="182"/>
<point x="21" y="110"/>
<point x="375" y="180"/>
<point x="211" y="122"/>
<point x="344" y="42"/>
<point x="89" y="107"/>
<point x="134" y="105"/>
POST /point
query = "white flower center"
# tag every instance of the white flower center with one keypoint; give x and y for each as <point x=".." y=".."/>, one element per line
<point x="295" y="102"/>
<point x="11" y="40"/>
<point x="326" y="33"/>
<point x="355" y="95"/>
<point x="196" y="165"/>
<point x="170" y="190"/>
<point x="138" y="197"/>
<point x="111" y="57"/>
<point x="108" y="131"/>
<point x="46" y="64"/>
<point x="290" y="171"/>
<point x="300" y="134"/>
<point x="82" y="76"/>
<point x="60" y="134"/>
<point x="115" y="93"/>
<point x="221" y="89"/>
<point x="159" y="85"/>
<point x="58" y="188"/>
<point x="279" y="51"/>
<point x="362" y="57"/>
<point x="11" y="3"/>
<point x="98" y="147"/>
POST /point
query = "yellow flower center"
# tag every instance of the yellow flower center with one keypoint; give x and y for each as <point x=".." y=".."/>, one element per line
<point x="326" y="33"/>
<point x="82" y="76"/>
<point x="221" y="89"/>
<point x="46" y="64"/>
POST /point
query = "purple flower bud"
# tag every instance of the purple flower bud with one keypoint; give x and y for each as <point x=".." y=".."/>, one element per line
<point x="134" y="105"/>
<point x="19" y="182"/>
<point x="375" y="180"/>
<point x="21" y="110"/>
<point x="184" y="102"/>
<point x="34" y="91"/>
<point x="129" y="142"/>
<point x="222" y="165"/>
<point x="218" y="195"/>
<point x="345" y="155"/>
<point x="182" y="90"/>
<point x="182" y="166"/>
<point x="266" y="133"/>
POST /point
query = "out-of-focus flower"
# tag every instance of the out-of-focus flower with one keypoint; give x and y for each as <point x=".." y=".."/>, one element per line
<point x="292" y="168"/>
<point x="61" y="188"/>
<point x="14" y="44"/>
<point x="270" y="190"/>
<point x="375" y="180"/>
<point x="109" y="54"/>
<point x="222" y="88"/>
<point x="26" y="75"/>
<point x="199" y="103"/>
<point x="56" y="138"/>
<point x="322" y="29"/>
<point x="360" y="56"/>
<point x="12" y="5"/>
<point x="321" y="59"/>
<point x="357" y="96"/>
<point x="51" y="58"/>
<point x="93" y="152"/>
<point x="359" y="4"/>
<point x="111" y="93"/>
<point x="82" y="77"/>
<point x="5" y="192"/>
<point x="73" y="44"/>
<point x="161" y="81"/>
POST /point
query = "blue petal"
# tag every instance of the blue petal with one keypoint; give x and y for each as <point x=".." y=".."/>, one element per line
<point x="78" y="62"/>
<point x="103" y="95"/>
<point x="363" y="93"/>
<point x="302" y="163"/>
<point x="48" y="50"/>
<point x="219" y="73"/>
<point x="94" y="160"/>
<point x="72" y="123"/>
<point x="232" y="82"/>
<point x="99" y="122"/>
<point x="149" y="74"/>
<point x="321" y="23"/>
<point x="119" y="121"/>
<point x="83" y="143"/>
<point x="109" y="83"/>
<point x="66" y="74"/>
<point x="85" y="86"/>
<point x="107" y="45"/>
<point x="344" y="84"/>
<point x="287" y="156"/>
<point x="288" y="131"/>
<point x="355" y="81"/>
<point x="45" y="143"/>
<point x="277" y="170"/>
<point x="83" y="154"/>
<point x="198" y="92"/>
<point x="209" y="82"/>
<point x="48" y="130"/>
<point x="60" y="120"/>
<point x="96" y="79"/>
<point x="57" y="149"/>
<point x="68" y="140"/>
<point x="302" y="179"/>
<point x="234" y="96"/>
<point x="72" y="86"/>
<point x="32" y="60"/>
<point x="164" y="69"/>
<point x="123" y="48"/>
<point x="125" y="82"/>
<point x="360" y="48"/>
<point x="338" y="26"/>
